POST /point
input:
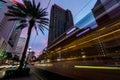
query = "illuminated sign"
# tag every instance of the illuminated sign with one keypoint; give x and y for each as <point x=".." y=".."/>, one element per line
<point x="71" y="30"/>
<point x="86" y="30"/>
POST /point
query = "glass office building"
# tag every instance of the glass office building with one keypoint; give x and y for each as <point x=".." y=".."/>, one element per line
<point x="97" y="36"/>
<point x="60" y="21"/>
<point x="87" y="21"/>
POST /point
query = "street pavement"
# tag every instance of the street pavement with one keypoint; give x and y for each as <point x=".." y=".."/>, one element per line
<point x="30" y="77"/>
<point x="2" y="72"/>
<point x="39" y="74"/>
<point x="81" y="72"/>
<point x="47" y="75"/>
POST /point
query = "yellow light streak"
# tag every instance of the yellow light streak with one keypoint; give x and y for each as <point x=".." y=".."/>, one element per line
<point x="109" y="26"/>
<point x="101" y="29"/>
<point x="89" y="40"/>
<point x="72" y="46"/>
<point x="99" y="37"/>
<point x="97" y="67"/>
<point x="57" y="49"/>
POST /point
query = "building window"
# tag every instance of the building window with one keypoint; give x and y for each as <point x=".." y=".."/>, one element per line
<point x="14" y="35"/>
<point x="3" y="21"/>
<point x="1" y="4"/>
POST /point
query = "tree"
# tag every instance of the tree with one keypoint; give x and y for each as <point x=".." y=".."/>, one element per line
<point x="8" y="55"/>
<point x="16" y="58"/>
<point x="30" y="15"/>
<point x="3" y="1"/>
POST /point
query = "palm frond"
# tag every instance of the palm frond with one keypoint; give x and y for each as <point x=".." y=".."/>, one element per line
<point x="17" y="13"/>
<point x="28" y="6"/>
<point x="21" y="26"/>
<point x="38" y="6"/>
<point x="13" y="19"/>
<point x="42" y="30"/>
<point x="43" y="26"/>
<point x="33" y="3"/>
<point x="36" y="30"/>
<point x="13" y="8"/>
<point x="22" y="8"/>
<point x="9" y="14"/>
<point x="3" y="1"/>
<point x="43" y="12"/>
<point x="43" y="21"/>
<point x="42" y="18"/>
<point x="23" y="21"/>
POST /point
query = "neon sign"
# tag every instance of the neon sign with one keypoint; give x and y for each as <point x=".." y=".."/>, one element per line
<point x="86" y="30"/>
<point x="71" y="30"/>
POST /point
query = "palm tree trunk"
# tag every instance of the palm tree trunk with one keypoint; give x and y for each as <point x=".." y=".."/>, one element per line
<point x="22" y="62"/>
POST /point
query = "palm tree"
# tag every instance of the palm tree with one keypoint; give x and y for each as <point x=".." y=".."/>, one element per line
<point x="30" y="15"/>
<point x="3" y="1"/>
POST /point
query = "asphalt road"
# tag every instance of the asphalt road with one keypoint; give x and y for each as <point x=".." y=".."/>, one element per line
<point x="46" y="75"/>
<point x="83" y="74"/>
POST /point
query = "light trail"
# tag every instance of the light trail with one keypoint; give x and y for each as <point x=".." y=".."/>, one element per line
<point x="97" y="67"/>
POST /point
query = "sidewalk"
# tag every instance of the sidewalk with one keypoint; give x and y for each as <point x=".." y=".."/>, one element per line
<point x="30" y="77"/>
<point x="1" y="67"/>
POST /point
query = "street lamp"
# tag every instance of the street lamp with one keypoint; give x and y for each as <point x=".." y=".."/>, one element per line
<point x="27" y="56"/>
<point x="29" y="51"/>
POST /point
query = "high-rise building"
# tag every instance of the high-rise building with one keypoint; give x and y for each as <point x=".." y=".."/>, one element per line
<point x="106" y="11"/>
<point x="20" y="46"/>
<point x="9" y="35"/>
<point x="60" y="21"/>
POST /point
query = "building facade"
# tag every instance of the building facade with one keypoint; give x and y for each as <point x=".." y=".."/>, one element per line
<point x="9" y="35"/>
<point x="88" y="43"/>
<point x="106" y="11"/>
<point x="60" y="21"/>
<point x="20" y="47"/>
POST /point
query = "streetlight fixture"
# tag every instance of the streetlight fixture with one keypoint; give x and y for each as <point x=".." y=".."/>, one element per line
<point x="27" y="56"/>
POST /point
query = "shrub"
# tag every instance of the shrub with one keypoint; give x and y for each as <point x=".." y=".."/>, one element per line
<point x="17" y="73"/>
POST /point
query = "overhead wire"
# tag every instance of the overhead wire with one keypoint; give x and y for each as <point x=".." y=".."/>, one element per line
<point x="82" y="8"/>
<point x="48" y="4"/>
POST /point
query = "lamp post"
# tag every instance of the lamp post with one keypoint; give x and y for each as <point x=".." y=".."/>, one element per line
<point x="27" y="56"/>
